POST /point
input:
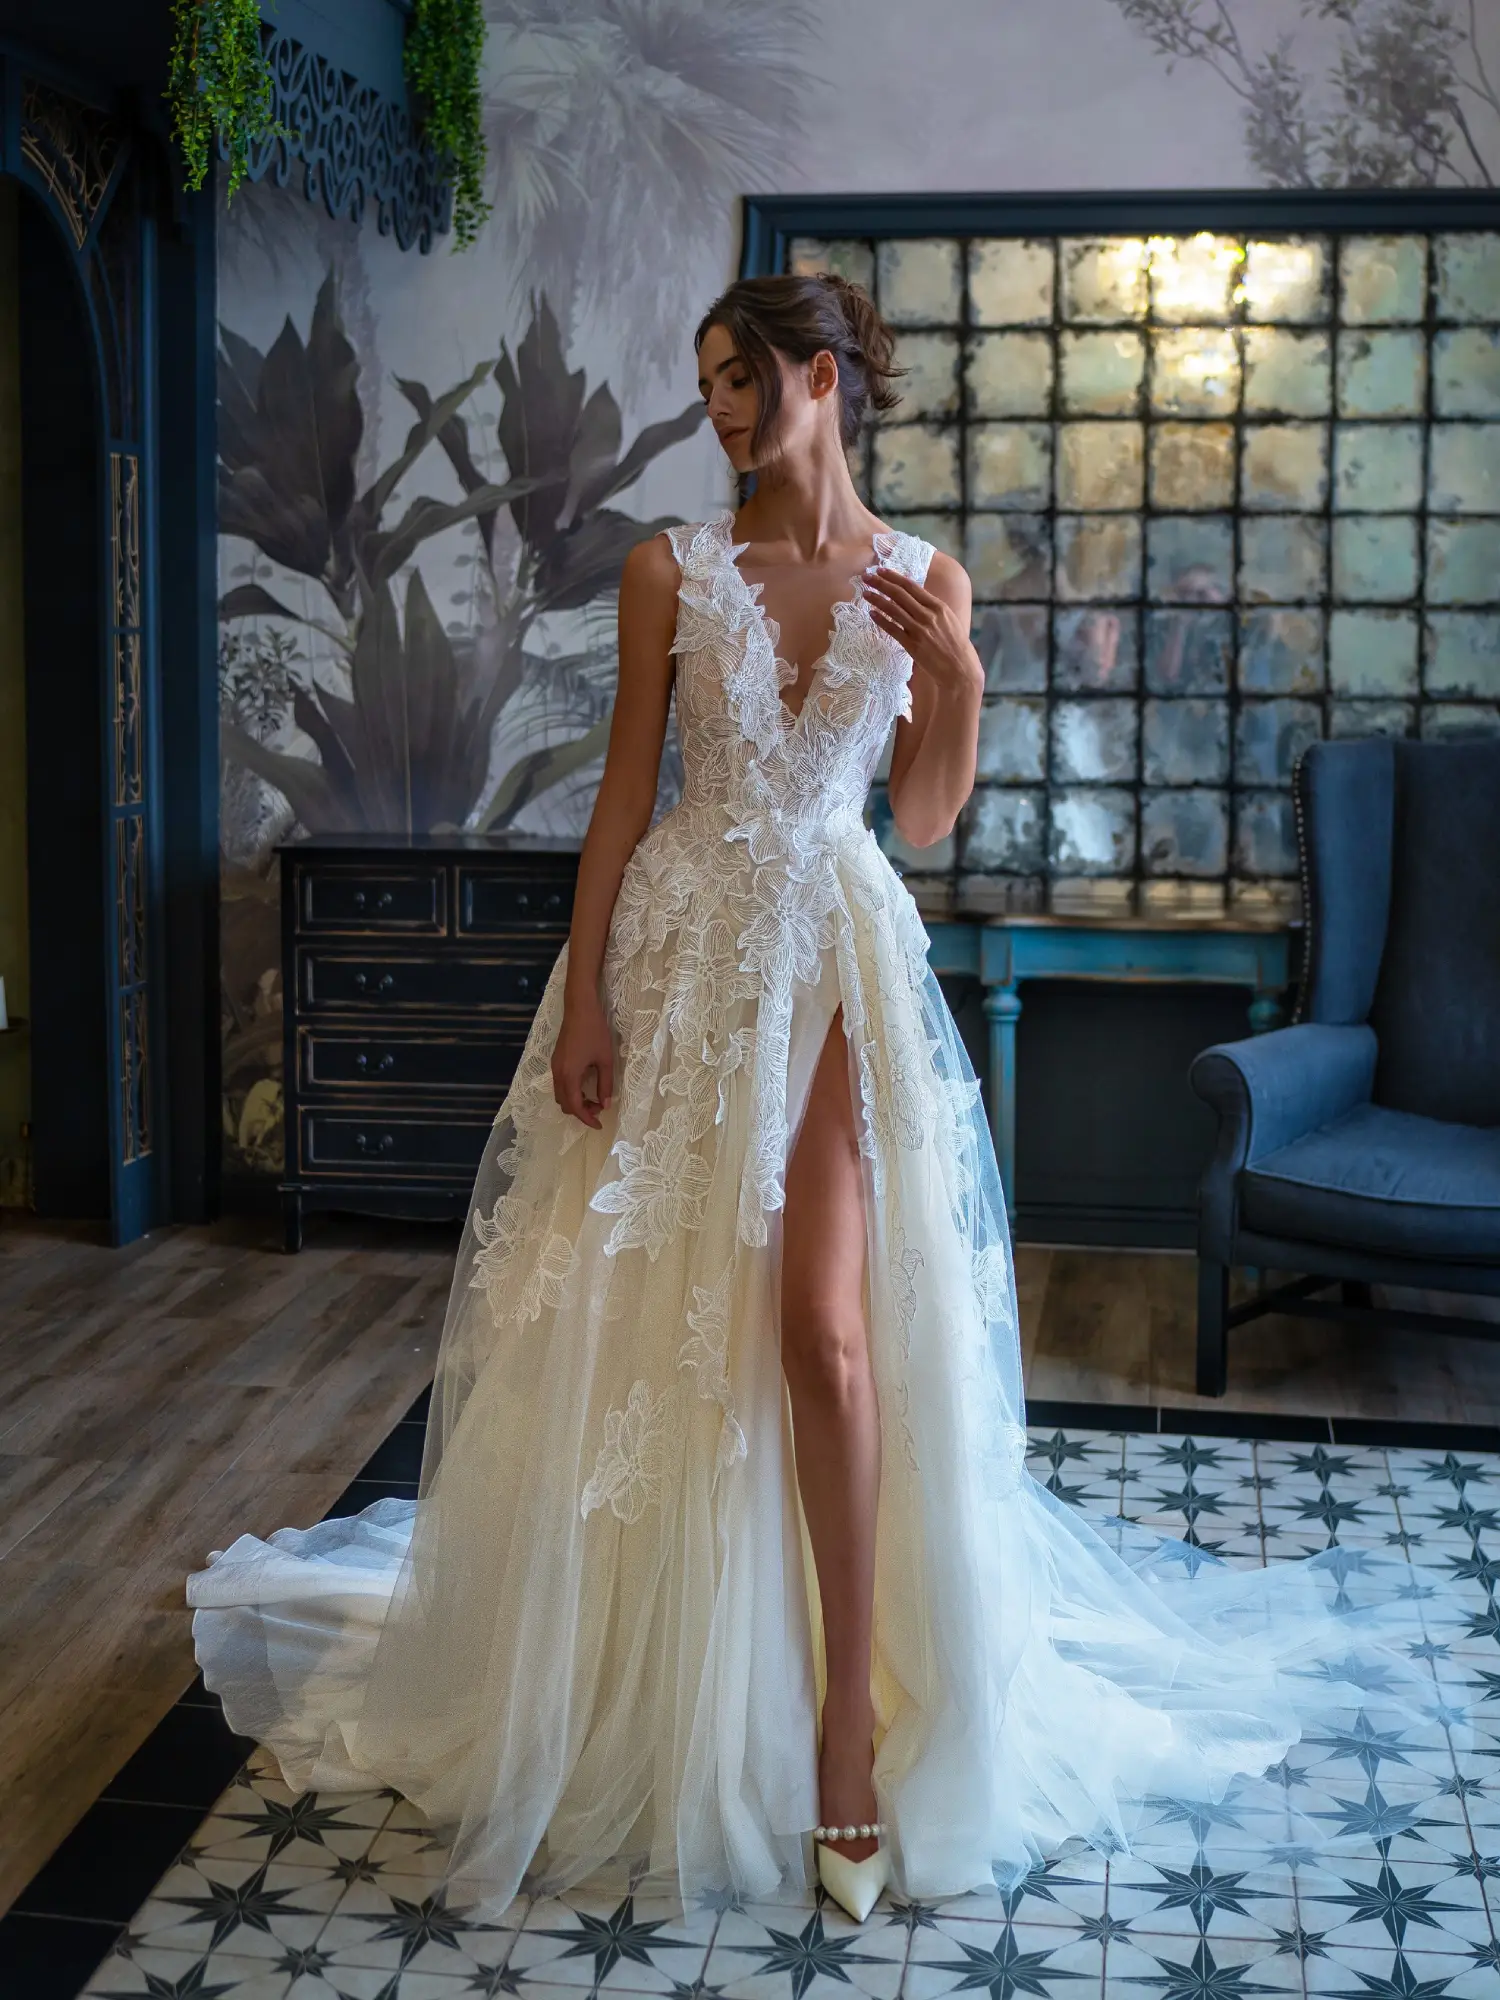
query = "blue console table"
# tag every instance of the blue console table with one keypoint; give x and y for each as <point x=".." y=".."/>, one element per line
<point x="1003" y="952"/>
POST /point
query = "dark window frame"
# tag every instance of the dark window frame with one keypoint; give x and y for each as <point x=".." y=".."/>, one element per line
<point x="771" y="223"/>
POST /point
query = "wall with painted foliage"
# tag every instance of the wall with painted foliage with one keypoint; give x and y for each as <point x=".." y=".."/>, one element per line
<point x="432" y="467"/>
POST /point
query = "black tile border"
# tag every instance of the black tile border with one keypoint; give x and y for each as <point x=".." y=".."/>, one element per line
<point x="69" y="1917"/>
<point x="72" y="1913"/>
<point x="1270" y="1426"/>
<point x="51" y="1958"/>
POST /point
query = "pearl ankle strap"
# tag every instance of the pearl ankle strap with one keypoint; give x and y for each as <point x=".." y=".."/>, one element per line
<point x="871" y="1831"/>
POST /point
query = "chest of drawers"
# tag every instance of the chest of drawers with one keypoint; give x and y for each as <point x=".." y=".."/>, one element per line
<point x="411" y="972"/>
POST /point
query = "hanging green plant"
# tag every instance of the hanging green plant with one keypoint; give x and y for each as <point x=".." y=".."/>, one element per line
<point x="219" y="85"/>
<point x="444" y="50"/>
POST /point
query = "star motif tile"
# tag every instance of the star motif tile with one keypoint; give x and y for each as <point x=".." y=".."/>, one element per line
<point x="1204" y="1899"/>
<point x="766" y="1952"/>
<point x="1416" y="1906"/>
<point x="238" y="1907"/>
<point x="159" y="1974"/>
<point x="637" y="1944"/>
<point x="1168" y="1968"/>
<point x="1368" y="1868"/>
<point x="1003" y="1961"/>
<point x="399" y="1922"/>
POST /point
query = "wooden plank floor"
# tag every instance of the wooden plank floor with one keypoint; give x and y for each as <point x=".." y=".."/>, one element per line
<point x="157" y="1401"/>
<point x="1102" y="1326"/>
<point x="154" y="1403"/>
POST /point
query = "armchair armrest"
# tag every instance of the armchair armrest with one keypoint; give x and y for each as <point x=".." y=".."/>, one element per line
<point x="1267" y="1091"/>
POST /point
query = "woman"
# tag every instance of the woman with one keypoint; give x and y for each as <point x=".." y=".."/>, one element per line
<point x="724" y="1533"/>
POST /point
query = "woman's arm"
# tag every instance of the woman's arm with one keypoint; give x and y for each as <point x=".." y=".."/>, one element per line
<point x="935" y="752"/>
<point x="621" y="815"/>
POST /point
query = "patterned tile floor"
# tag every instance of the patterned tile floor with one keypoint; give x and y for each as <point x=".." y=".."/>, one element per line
<point x="283" y="1898"/>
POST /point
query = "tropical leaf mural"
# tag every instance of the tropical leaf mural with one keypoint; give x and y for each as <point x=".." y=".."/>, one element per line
<point x="1403" y="100"/>
<point x="344" y="692"/>
<point x="620" y="134"/>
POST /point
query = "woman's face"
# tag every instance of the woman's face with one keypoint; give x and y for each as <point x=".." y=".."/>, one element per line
<point x="730" y="396"/>
<point x="733" y="401"/>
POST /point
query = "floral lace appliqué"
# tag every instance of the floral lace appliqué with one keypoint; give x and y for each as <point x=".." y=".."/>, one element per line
<point x="662" y="1187"/>
<point x="707" y="1354"/>
<point x="991" y="1275"/>
<point x="630" y="1473"/>
<point x="523" y="1264"/>
<point x="905" y="1261"/>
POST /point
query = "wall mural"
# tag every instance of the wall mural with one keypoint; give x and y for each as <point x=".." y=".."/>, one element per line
<point x="1400" y="98"/>
<point x="409" y="720"/>
<point x="433" y="466"/>
<point x="422" y="638"/>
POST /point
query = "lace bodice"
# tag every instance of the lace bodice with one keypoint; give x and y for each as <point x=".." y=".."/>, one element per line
<point x="758" y="869"/>
<point x="741" y="745"/>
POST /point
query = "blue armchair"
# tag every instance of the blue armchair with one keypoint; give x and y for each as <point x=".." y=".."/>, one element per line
<point x="1362" y="1144"/>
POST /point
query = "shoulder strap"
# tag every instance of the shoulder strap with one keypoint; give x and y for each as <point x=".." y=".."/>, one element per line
<point x="682" y="537"/>
<point x="909" y="553"/>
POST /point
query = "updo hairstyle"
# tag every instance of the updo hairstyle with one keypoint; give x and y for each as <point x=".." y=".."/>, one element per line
<point x="800" y="315"/>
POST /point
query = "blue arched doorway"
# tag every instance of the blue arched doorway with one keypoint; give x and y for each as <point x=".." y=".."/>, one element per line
<point x="113" y="303"/>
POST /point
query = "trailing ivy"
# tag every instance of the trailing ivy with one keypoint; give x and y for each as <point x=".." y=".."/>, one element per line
<point x="219" y="85"/>
<point x="444" y="49"/>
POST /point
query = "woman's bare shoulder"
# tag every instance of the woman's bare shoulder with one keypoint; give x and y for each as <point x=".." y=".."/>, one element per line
<point x="651" y="569"/>
<point x="947" y="578"/>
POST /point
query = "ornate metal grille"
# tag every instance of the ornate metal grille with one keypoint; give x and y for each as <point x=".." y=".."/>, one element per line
<point x="129" y="810"/>
<point x="74" y="149"/>
<point x="1219" y="494"/>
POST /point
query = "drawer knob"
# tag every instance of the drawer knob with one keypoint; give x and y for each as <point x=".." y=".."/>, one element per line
<point x="366" y="1144"/>
<point x="523" y="982"/>
<point x="523" y="901"/>
<point x="359" y="899"/>
<point x="387" y="982"/>
<point x="554" y="901"/>
<point x="386" y="899"/>
<point x="384" y="1066"/>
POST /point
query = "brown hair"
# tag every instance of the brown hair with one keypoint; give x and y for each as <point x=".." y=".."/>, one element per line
<point x="799" y="316"/>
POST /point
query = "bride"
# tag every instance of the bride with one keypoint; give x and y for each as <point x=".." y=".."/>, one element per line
<point x="724" y="1535"/>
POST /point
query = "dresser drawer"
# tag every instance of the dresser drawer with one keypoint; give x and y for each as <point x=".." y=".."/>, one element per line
<point x="396" y="1064"/>
<point x="433" y="1146"/>
<point x="438" y="984"/>
<point x="490" y="902"/>
<point x="372" y="899"/>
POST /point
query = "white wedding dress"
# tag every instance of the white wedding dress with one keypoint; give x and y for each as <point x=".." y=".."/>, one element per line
<point x="596" y="1631"/>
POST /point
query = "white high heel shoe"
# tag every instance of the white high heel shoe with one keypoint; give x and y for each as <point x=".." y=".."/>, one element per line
<point x="854" y="1885"/>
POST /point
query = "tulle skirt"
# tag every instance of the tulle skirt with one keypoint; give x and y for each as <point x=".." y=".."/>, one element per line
<point x="596" y="1632"/>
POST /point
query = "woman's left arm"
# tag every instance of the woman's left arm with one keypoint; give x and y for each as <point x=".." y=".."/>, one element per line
<point x="933" y="759"/>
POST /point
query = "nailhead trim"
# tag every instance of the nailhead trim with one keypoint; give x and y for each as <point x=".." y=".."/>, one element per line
<point x="871" y="1831"/>
<point x="1299" y="822"/>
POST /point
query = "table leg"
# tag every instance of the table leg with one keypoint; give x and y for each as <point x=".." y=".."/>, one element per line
<point x="1002" y="1009"/>
<point x="1265" y="1011"/>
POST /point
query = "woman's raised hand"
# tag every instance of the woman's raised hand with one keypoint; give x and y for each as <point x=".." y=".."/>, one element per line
<point x="926" y="625"/>
<point x="584" y="1047"/>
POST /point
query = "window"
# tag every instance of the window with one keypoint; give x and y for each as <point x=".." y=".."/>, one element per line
<point x="1221" y="491"/>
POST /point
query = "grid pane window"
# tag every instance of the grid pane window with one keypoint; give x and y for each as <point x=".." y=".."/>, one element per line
<point x="1220" y="495"/>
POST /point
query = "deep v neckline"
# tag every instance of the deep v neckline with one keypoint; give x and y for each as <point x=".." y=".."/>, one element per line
<point x="784" y="673"/>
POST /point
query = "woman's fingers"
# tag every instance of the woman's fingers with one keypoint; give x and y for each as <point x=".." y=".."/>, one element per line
<point x="898" y="628"/>
<point x="568" y="1090"/>
<point x="894" y="619"/>
<point x="898" y="606"/>
<point x="604" y="1077"/>
<point x="899" y="589"/>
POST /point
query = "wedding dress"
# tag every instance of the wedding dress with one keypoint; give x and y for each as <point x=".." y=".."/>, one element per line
<point x="597" y="1630"/>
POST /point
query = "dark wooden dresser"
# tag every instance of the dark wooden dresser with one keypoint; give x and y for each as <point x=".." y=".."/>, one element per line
<point x="411" y="970"/>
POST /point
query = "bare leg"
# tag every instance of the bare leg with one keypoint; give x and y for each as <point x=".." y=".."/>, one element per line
<point x="836" y="1421"/>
